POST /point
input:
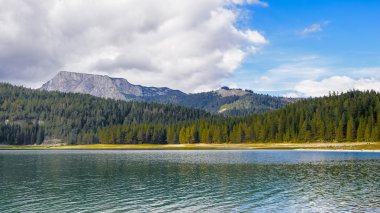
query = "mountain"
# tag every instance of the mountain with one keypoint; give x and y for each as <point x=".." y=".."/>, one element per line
<point x="105" y="87"/>
<point x="234" y="102"/>
<point x="224" y="100"/>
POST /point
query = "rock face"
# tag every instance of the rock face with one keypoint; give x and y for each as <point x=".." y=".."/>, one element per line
<point x="224" y="100"/>
<point x="104" y="86"/>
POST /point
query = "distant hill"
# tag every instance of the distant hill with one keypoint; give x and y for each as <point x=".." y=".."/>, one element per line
<point x="235" y="102"/>
<point x="224" y="101"/>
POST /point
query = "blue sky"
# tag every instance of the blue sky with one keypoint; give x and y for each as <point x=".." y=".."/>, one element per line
<point x="345" y="41"/>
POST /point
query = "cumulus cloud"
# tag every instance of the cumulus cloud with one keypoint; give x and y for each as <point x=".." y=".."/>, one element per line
<point x="310" y="88"/>
<point x="312" y="75"/>
<point x="188" y="45"/>
<point x="285" y="76"/>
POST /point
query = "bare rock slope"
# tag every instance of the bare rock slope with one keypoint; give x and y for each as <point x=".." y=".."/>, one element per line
<point x="104" y="86"/>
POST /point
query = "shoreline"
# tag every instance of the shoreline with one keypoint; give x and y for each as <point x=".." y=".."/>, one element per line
<point x="346" y="147"/>
<point x="338" y="150"/>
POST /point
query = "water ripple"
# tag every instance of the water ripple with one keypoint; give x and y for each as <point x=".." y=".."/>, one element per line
<point x="188" y="181"/>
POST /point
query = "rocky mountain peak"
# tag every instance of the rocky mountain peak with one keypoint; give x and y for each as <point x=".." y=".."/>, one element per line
<point x="102" y="86"/>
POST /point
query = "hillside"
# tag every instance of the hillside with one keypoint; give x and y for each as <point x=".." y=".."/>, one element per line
<point x="224" y="101"/>
<point x="31" y="116"/>
<point x="353" y="116"/>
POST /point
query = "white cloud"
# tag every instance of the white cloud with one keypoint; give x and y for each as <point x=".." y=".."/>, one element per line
<point x="254" y="37"/>
<point x="257" y="2"/>
<point x="287" y="75"/>
<point x="188" y="45"/>
<point x="366" y="72"/>
<point x="311" y="75"/>
<point x="312" y="29"/>
<point x="292" y="95"/>
<point x="312" y="88"/>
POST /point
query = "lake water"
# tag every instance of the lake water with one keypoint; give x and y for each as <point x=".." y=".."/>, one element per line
<point x="188" y="181"/>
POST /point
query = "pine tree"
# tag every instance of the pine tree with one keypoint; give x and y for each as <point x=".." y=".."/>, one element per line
<point x="367" y="132"/>
<point x="224" y="134"/>
<point x="350" y="134"/>
<point x="340" y="131"/>
<point x="302" y="132"/>
<point x="171" y="136"/>
<point x="216" y="135"/>
<point x="117" y="138"/>
<point x="236" y="135"/>
<point x="193" y="135"/>
<point x="182" y="136"/>
<point x="361" y="130"/>
<point x="205" y="136"/>
<point x="375" y="135"/>
<point x="140" y="136"/>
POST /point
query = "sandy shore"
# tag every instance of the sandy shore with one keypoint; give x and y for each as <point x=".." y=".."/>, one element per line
<point x="355" y="146"/>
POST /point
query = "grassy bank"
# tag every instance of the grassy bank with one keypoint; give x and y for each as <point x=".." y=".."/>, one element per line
<point x="286" y="146"/>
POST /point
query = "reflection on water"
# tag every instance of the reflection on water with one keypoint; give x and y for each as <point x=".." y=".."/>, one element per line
<point x="187" y="181"/>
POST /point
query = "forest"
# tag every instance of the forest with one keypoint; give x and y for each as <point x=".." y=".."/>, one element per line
<point x="75" y="118"/>
<point x="30" y="116"/>
<point x="353" y="116"/>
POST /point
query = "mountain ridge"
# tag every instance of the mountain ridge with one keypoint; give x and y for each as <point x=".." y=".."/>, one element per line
<point x="102" y="86"/>
<point x="222" y="101"/>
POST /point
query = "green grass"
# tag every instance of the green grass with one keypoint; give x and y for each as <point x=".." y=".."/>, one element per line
<point x="286" y="146"/>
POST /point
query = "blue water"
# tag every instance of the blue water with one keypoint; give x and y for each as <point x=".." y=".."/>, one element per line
<point x="188" y="181"/>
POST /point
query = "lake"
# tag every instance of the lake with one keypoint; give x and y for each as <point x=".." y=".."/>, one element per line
<point x="188" y="181"/>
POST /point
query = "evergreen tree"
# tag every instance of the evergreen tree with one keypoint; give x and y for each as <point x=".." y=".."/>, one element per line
<point x="350" y="131"/>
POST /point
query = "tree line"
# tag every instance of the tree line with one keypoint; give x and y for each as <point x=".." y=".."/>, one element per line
<point x="31" y="116"/>
<point x="21" y="134"/>
<point x="353" y="116"/>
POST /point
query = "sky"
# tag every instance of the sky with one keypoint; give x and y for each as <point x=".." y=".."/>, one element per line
<point x="294" y="48"/>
